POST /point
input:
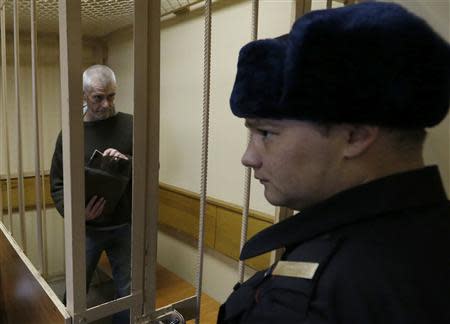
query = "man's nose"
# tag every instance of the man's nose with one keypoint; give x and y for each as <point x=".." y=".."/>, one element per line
<point x="251" y="158"/>
<point x="105" y="103"/>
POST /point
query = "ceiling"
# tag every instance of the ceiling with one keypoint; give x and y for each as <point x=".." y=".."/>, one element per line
<point x="99" y="17"/>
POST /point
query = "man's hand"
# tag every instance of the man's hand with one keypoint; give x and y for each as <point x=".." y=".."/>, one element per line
<point x="95" y="208"/>
<point x="114" y="153"/>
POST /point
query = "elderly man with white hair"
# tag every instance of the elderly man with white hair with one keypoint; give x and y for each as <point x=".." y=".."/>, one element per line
<point x="111" y="133"/>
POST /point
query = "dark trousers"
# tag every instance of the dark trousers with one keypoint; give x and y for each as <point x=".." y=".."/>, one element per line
<point x="117" y="245"/>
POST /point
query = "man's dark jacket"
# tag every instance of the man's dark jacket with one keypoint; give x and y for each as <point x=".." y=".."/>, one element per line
<point x="377" y="253"/>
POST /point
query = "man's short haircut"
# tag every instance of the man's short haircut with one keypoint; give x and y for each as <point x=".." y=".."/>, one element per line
<point x="407" y="140"/>
<point x="402" y="139"/>
<point x="99" y="74"/>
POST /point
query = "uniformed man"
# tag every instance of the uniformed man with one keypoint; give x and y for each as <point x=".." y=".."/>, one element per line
<point x="337" y="111"/>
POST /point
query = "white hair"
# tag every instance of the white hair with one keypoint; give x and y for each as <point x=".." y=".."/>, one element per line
<point x="98" y="74"/>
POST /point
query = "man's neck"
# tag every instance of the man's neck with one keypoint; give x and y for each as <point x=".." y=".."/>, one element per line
<point x="360" y="173"/>
<point x="90" y="118"/>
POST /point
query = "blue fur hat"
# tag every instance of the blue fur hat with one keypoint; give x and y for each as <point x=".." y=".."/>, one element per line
<point x="371" y="63"/>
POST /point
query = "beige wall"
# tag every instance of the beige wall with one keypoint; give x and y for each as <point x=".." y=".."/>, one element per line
<point x="48" y="100"/>
<point x="120" y="58"/>
<point x="53" y="225"/>
<point x="181" y="96"/>
<point x="50" y="123"/>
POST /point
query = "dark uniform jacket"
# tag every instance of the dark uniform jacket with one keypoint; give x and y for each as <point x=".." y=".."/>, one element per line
<point x="376" y="253"/>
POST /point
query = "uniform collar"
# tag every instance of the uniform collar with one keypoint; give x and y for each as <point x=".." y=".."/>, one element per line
<point x="396" y="192"/>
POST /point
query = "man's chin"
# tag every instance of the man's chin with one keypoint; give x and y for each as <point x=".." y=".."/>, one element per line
<point x="281" y="201"/>
<point x="273" y="199"/>
<point x="102" y="116"/>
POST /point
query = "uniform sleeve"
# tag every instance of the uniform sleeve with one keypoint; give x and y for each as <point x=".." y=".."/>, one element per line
<point x="56" y="177"/>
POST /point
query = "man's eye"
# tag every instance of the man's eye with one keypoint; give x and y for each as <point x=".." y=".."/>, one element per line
<point x="265" y="133"/>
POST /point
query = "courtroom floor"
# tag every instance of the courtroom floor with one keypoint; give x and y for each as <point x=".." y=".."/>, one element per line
<point x="169" y="289"/>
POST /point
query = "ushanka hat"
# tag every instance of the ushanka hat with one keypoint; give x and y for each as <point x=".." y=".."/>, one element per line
<point x="370" y="63"/>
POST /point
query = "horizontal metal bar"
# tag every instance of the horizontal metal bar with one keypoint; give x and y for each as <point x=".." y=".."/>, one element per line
<point x="109" y="308"/>
<point x="185" y="307"/>
<point x="181" y="9"/>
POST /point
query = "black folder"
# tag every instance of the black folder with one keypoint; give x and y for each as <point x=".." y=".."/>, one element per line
<point x="107" y="177"/>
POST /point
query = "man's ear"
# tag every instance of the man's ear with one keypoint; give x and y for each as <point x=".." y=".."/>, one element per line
<point x="359" y="139"/>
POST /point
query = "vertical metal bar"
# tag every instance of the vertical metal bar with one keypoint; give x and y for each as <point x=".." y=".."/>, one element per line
<point x="44" y="198"/>
<point x="329" y="4"/>
<point x="152" y="152"/>
<point x="5" y="118"/>
<point x="19" y="128"/>
<point x="73" y="152"/>
<point x="37" y="157"/>
<point x="204" y="156"/>
<point x="44" y="222"/>
<point x="301" y="7"/>
<point x="248" y="171"/>
<point x="140" y="43"/>
<point x="2" y="107"/>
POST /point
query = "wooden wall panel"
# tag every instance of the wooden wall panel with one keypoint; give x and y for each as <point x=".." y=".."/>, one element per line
<point x="21" y="297"/>
<point x="180" y="211"/>
<point x="229" y="235"/>
<point x="30" y="194"/>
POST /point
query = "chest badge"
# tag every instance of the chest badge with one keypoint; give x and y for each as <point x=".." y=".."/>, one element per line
<point x="297" y="269"/>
